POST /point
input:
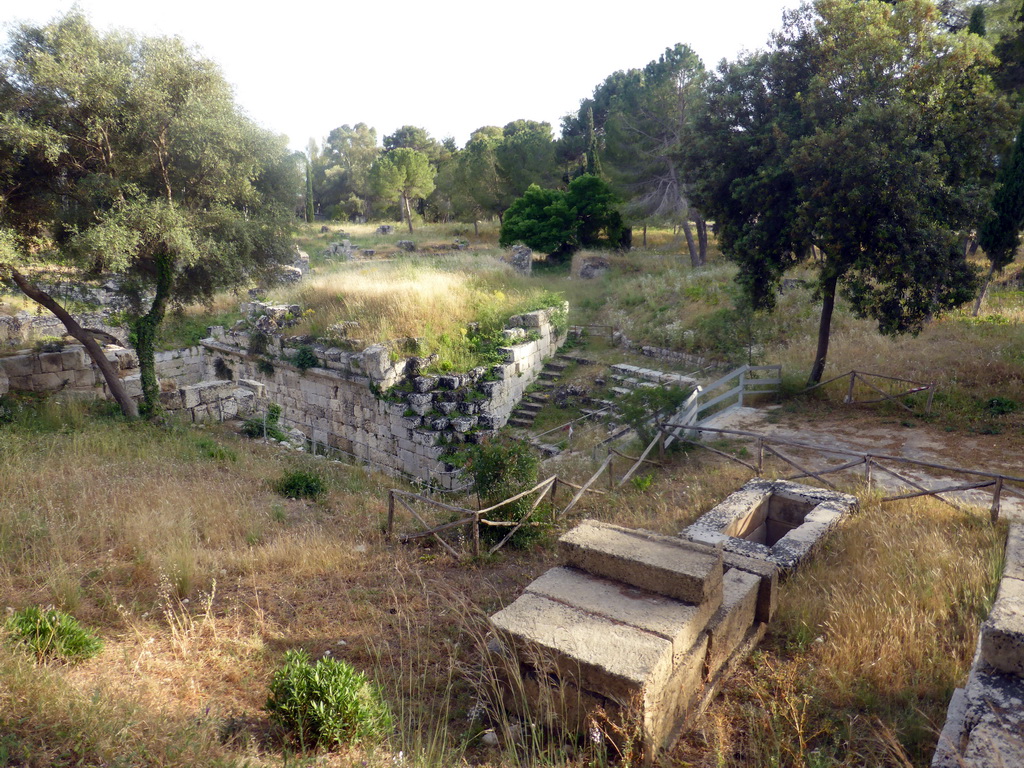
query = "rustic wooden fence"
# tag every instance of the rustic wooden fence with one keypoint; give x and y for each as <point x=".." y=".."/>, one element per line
<point x="870" y="463"/>
<point x="880" y="389"/>
<point x="473" y="520"/>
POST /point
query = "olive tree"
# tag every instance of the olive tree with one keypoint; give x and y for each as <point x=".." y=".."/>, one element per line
<point x="128" y="155"/>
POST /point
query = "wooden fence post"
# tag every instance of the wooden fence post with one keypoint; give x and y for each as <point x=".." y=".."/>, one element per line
<point x="611" y="482"/>
<point x="760" y="455"/>
<point x="391" y="515"/>
<point x="867" y="472"/>
<point x="849" y="392"/>
<point x="476" y="534"/>
<point x="996" y="493"/>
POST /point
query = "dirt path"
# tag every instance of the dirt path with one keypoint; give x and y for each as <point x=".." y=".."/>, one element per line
<point x="864" y="432"/>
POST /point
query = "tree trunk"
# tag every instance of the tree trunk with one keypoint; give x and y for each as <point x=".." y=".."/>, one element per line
<point x="145" y="329"/>
<point x="983" y="291"/>
<point x="476" y="228"/>
<point x="694" y="254"/>
<point x="95" y="352"/>
<point x="702" y="238"/>
<point x="407" y="210"/>
<point x="828" y="303"/>
<point x="645" y="235"/>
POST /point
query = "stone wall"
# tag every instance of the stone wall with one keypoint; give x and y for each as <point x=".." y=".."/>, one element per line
<point x="23" y="328"/>
<point x="69" y="370"/>
<point x="385" y="412"/>
<point x="182" y="367"/>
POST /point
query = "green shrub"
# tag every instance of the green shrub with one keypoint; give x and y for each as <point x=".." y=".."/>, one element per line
<point x="502" y="467"/>
<point x="328" y="703"/>
<point x="52" y="634"/>
<point x="256" y="426"/>
<point x="259" y="343"/>
<point x="211" y="449"/>
<point x="301" y="484"/>
<point x="1000" y="406"/>
<point x="644" y="403"/>
<point x="305" y="358"/>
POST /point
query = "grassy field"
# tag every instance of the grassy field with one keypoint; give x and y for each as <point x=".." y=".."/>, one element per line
<point x="173" y="546"/>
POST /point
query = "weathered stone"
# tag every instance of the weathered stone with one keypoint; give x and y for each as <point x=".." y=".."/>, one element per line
<point x="424" y="383"/>
<point x="1002" y="633"/>
<point x="678" y="622"/>
<point x="50" y="362"/>
<point x="486" y="422"/>
<point x="384" y="229"/>
<point x="734" y="618"/>
<point x="661" y="564"/>
<point x="520" y="257"/>
<point x="375" y="361"/>
<point x="406" y="245"/>
<point x="588" y="267"/>
<point x="4" y="382"/>
<point x="449" y="382"/>
<point x="447" y="408"/>
<point x="463" y="423"/>
<point x="439" y="424"/>
<point x="1014" y="567"/>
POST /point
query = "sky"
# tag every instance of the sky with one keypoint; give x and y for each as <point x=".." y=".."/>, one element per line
<point x="302" y="68"/>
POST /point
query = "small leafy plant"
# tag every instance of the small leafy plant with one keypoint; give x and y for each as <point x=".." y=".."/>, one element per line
<point x="328" y="703"/>
<point x="301" y="484"/>
<point x="305" y="358"/>
<point x="258" y="425"/>
<point x="52" y="634"/>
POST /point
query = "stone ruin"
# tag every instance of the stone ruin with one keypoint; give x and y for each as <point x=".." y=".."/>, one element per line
<point x="639" y="629"/>
<point x="985" y="719"/>
<point x="520" y="257"/>
<point x="589" y="266"/>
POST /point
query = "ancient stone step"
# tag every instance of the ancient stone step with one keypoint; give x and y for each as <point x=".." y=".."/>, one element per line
<point x="575" y="359"/>
<point x="665" y="565"/>
<point x="521" y="423"/>
<point x="621" y="391"/>
<point x="532" y="408"/>
<point x="554" y="366"/>
<point x="548" y="376"/>
<point x="538" y="397"/>
<point x="678" y="622"/>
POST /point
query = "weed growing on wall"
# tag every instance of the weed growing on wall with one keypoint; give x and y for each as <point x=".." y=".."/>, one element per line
<point x="305" y="358"/>
<point x="327" y="703"/>
<point x="265" y="426"/>
<point x="52" y="634"/>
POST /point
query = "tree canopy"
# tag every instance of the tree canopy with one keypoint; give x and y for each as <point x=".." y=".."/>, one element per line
<point x="403" y="174"/>
<point x="855" y="143"/>
<point x="129" y="155"/>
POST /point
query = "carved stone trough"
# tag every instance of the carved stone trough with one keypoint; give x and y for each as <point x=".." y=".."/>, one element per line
<point x="778" y="521"/>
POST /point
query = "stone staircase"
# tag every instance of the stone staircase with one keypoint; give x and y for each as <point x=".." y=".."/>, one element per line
<point x="631" y="624"/>
<point x="531" y="405"/>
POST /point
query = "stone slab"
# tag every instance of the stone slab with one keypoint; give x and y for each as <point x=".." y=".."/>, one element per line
<point x="767" y="572"/>
<point x="1002" y="633"/>
<point x="953" y="737"/>
<point x="665" y="565"/>
<point x="595" y="653"/>
<point x="1014" y="567"/>
<point x="666" y="707"/>
<point x="733" y="619"/>
<point x="678" y="622"/>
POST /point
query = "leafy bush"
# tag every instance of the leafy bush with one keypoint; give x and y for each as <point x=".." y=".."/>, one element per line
<point x="559" y="223"/>
<point x="327" y="703"/>
<point x="211" y="449"/>
<point x="52" y="634"/>
<point x="256" y="426"/>
<point x="1000" y="406"/>
<point x="305" y="358"/>
<point x="301" y="484"/>
<point x="259" y="343"/>
<point x="502" y="467"/>
<point x="641" y="405"/>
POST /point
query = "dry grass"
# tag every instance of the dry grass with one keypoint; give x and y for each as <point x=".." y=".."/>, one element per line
<point x="870" y="640"/>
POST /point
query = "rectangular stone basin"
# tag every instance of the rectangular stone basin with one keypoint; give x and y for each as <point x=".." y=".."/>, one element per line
<point x="774" y="520"/>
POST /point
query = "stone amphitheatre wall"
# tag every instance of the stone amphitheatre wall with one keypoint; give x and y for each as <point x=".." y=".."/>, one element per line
<point x="386" y="412"/>
<point x="381" y="411"/>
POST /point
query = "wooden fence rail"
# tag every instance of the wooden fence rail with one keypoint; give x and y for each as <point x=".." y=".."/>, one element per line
<point x="998" y="482"/>
<point x="865" y="379"/>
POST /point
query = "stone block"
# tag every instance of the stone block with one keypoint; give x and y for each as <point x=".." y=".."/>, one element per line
<point x="463" y="424"/>
<point x="661" y="564"/>
<point x="678" y="622"/>
<point x="1014" y="567"/>
<point x="424" y="384"/>
<point x="258" y="388"/>
<point x="953" y="738"/>
<point x="17" y="366"/>
<point x="86" y="377"/>
<point x="1002" y="633"/>
<point x="74" y="358"/>
<point x="171" y="400"/>
<point x="592" y="652"/>
<point x="733" y="619"/>
<point x="50" y="362"/>
<point x="768" y="575"/>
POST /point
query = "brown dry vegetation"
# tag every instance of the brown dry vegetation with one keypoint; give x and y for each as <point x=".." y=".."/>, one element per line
<point x="199" y="577"/>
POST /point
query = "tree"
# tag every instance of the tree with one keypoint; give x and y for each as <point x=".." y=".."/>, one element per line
<point x="413" y="137"/>
<point x="349" y="153"/>
<point x="1009" y="74"/>
<point x="648" y="127"/>
<point x="309" y="192"/>
<point x="403" y="174"/>
<point x="559" y="223"/>
<point x="128" y="155"/>
<point x="856" y="142"/>
<point x="999" y="234"/>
